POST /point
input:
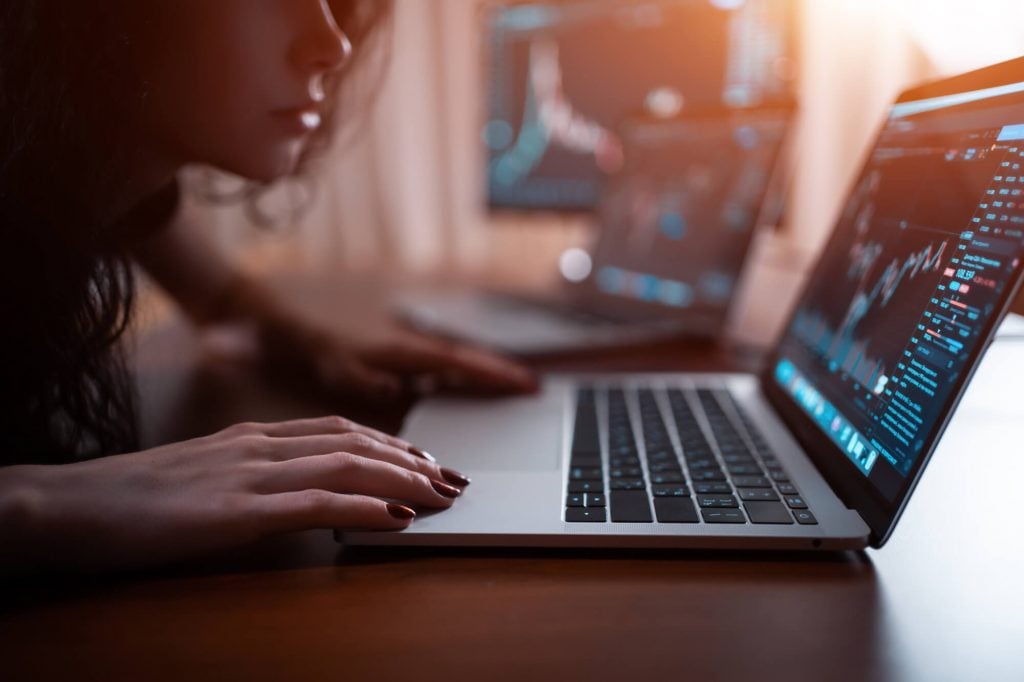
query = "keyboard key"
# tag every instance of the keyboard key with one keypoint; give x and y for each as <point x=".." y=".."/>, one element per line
<point x="626" y="472"/>
<point x="585" y="474"/>
<point x="788" y="489"/>
<point x="744" y="469"/>
<point x="708" y="475"/>
<point x="586" y="486"/>
<point x="751" y="482"/>
<point x="655" y="435"/>
<point x="723" y="516"/>
<point x="666" y="467"/>
<point x="581" y="514"/>
<point x="712" y="488"/>
<point x="795" y="502"/>
<point x="585" y="439"/>
<point x="717" y="501"/>
<point x="585" y="461"/>
<point x="757" y="494"/>
<point x="661" y="454"/>
<point x="675" y="510"/>
<point x="576" y="500"/>
<point x="627" y="484"/>
<point x="617" y="402"/>
<point x="670" y="491"/>
<point x="667" y="478"/>
<point x="630" y="506"/>
<point x="805" y="517"/>
<point x="702" y="463"/>
<point x="595" y="500"/>
<point x="767" y="512"/>
<point x="778" y="475"/>
<point x="619" y="462"/>
<point x="739" y="459"/>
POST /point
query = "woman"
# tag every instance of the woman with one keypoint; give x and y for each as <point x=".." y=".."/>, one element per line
<point x="101" y="105"/>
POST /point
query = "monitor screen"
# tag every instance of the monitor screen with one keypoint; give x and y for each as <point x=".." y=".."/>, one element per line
<point x="918" y="267"/>
<point x="677" y="221"/>
<point x="562" y="77"/>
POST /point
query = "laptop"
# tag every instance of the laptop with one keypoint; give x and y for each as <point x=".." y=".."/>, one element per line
<point x="675" y="226"/>
<point x="823" y="447"/>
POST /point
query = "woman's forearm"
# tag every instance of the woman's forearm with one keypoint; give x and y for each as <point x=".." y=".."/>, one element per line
<point x="188" y="265"/>
<point x="21" y="508"/>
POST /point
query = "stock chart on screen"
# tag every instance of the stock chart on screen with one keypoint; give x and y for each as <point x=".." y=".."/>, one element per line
<point x="562" y="76"/>
<point x="929" y="239"/>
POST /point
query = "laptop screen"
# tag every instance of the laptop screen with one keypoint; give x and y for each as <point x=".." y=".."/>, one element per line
<point x="677" y="221"/>
<point x="911" y="282"/>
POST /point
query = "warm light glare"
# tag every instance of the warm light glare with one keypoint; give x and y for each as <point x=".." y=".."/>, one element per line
<point x="959" y="36"/>
<point x="575" y="264"/>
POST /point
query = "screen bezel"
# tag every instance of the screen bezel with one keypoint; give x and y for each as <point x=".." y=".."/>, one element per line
<point x="841" y="474"/>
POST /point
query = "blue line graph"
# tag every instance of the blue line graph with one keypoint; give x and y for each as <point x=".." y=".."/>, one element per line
<point x="549" y="118"/>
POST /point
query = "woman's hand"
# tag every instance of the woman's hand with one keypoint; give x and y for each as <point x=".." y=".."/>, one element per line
<point x="367" y="354"/>
<point x="359" y="351"/>
<point x="401" y="361"/>
<point x="228" y="489"/>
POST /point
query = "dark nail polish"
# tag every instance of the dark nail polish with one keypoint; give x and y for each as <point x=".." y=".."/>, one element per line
<point x="454" y="477"/>
<point x="445" y="489"/>
<point x="413" y="450"/>
<point x="400" y="511"/>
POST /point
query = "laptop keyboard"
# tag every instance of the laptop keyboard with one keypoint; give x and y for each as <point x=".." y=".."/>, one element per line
<point x="706" y="463"/>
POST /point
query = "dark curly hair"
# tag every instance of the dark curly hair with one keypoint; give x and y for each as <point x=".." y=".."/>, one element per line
<point x="66" y="284"/>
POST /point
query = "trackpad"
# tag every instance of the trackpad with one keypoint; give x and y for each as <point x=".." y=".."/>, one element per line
<point x="507" y="434"/>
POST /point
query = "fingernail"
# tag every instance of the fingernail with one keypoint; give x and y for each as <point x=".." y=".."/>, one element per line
<point x="400" y="511"/>
<point x="445" y="489"/>
<point x="413" y="450"/>
<point x="454" y="477"/>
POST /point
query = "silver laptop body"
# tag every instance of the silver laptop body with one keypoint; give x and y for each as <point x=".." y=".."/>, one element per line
<point x="850" y="404"/>
<point x="517" y="451"/>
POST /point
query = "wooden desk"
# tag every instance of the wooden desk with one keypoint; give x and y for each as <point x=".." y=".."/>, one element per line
<point x="942" y="601"/>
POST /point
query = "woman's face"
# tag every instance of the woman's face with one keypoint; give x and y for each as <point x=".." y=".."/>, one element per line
<point x="237" y="84"/>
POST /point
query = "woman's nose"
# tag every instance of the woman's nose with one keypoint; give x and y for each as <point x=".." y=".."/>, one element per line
<point x="323" y="47"/>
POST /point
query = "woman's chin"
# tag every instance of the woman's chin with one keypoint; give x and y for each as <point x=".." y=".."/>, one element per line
<point x="277" y="163"/>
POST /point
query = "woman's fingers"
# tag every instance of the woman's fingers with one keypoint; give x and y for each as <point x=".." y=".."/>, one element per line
<point x="327" y="425"/>
<point x="337" y="370"/>
<point x="315" y="508"/>
<point x="365" y="446"/>
<point x="344" y="472"/>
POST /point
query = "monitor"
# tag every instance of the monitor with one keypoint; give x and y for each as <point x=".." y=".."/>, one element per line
<point x="562" y="77"/>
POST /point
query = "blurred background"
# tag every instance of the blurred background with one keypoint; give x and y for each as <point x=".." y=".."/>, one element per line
<point x="436" y="173"/>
